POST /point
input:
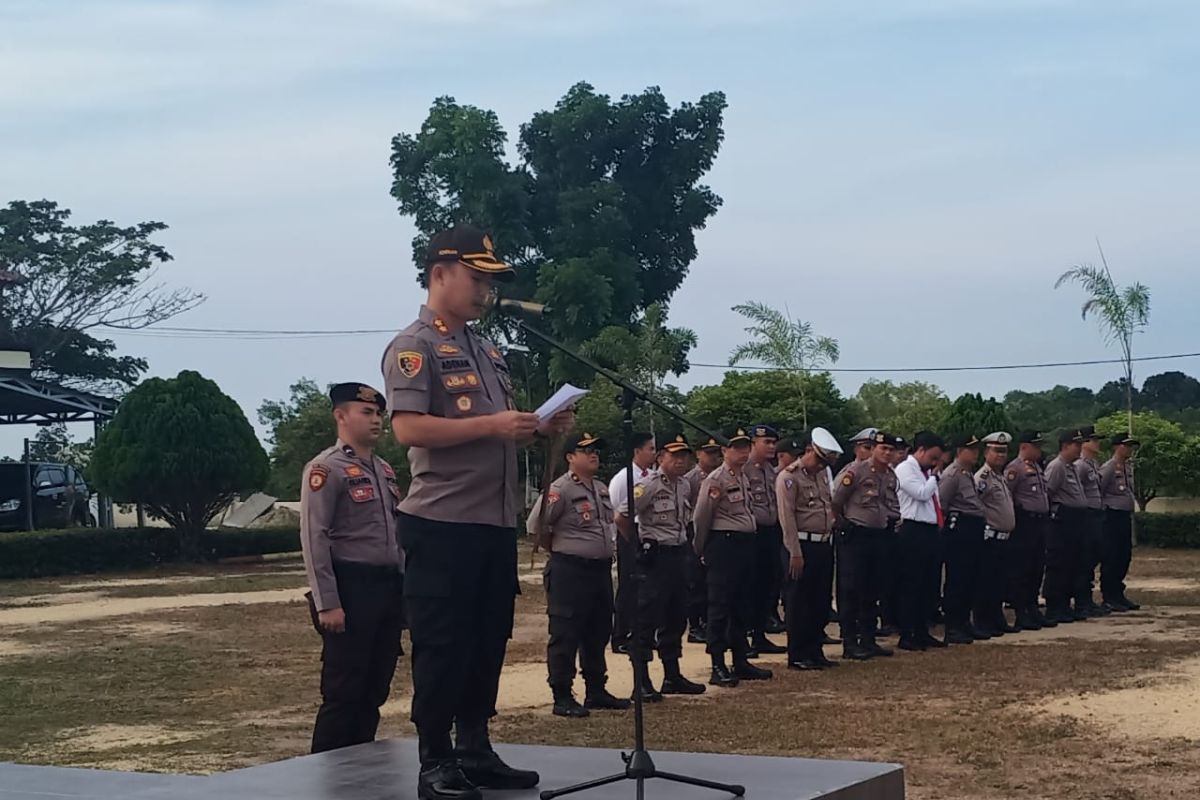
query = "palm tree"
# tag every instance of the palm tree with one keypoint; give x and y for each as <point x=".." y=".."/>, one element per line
<point x="786" y="344"/>
<point x="1122" y="311"/>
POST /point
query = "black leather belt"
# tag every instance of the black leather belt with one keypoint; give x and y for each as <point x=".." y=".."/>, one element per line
<point x="582" y="561"/>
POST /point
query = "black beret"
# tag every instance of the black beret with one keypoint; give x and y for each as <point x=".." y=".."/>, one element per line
<point x="356" y="393"/>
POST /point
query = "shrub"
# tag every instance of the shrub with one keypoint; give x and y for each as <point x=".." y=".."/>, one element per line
<point x="1168" y="530"/>
<point x="34" y="554"/>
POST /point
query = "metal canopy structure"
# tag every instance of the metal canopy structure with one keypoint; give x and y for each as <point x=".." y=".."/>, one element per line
<point x="26" y="400"/>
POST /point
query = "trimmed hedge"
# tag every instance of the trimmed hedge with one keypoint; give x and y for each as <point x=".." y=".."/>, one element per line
<point x="1168" y="530"/>
<point x="35" y="554"/>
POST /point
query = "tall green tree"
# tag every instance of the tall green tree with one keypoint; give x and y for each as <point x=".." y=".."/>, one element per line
<point x="1122" y="311"/>
<point x="599" y="215"/>
<point x="182" y="448"/>
<point x="54" y="443"/>
<point x="1169" y="392"/>
<point x="1168" y="461"/>
<point x="903" y="408"/>
<point x="1053" y="409"/>
<point x="771" y="396"/>
<point x="301" y="426"/>
<point x="786" y="344"/>
<point x="73" y="280"/>
<point x="974" y="415"/>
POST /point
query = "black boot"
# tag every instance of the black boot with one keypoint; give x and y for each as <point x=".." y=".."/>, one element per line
<point x="649" y="693"/>
<point x="746" y="671"/>
<point x="441" y="776"/>
<point x="959" y="636"/>
<point x="565" y="704"/>
<point x="674" y="682"/>
<point x="854" y="652"/>
<point x="875" y="649"/>
<point x="721" y="675"/>
<point x="482" y="766"/>
<point x="909" y="642"/>
<point x="774" y="623"/>
<point x="696" y="633"/>
<point x="600" y="699"/>
<point x="765" y="646"/>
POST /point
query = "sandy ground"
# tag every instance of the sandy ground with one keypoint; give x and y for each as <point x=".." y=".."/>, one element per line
<point x="96" y="606"/>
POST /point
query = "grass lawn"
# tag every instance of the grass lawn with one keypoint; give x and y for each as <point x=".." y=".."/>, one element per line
<point x="184" y="685"/>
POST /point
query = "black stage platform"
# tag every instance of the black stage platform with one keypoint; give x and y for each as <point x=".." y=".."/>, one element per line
<point x="386" y="770"/>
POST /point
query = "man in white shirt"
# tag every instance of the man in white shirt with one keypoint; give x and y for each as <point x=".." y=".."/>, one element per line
<point x="921" y="521"/>
<point x="645" y="457"/>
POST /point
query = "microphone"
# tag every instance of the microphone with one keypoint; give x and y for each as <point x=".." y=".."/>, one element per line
<point x="501" y="305"/>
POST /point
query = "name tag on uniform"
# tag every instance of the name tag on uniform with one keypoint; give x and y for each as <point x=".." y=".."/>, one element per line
<point x="362" y="494"/>
<point x="663" y="505"/>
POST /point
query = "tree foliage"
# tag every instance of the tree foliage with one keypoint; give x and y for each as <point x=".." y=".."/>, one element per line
<point x="54" y="443"/>
<point x="973" y="415"/>
<point x="903" y="408"/>
<point x="1168" y="461"/>
<point x="182" y="448"/>
<point x="786" y="344"/>
<point x="1053" y="409"/>
<point x="74" y="280"/>
<point x="1169" y="392"/>
<point x="599" y="215"/>
<point x="771" y="396"/>
<point x="1123" y="312"/>
<point x="302" y="426"/>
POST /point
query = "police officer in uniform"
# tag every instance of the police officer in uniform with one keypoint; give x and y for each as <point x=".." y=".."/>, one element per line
<point x="963" y="538"/>
<point x="1092" y="538"/>
<point x="574" y="523"/>
<point x="1068" y="515"/>
<point x="708" y="458"/>
<point x="1116" y="483"/>
<point x="645" y="464"/>
<point x="999" y="521"/>
<point x="861" y="500"/>
<point x="768" y="559"/>
<point x="451" y="399"/>
<point x="807" y="519"/>
<point x="725" y="532"/>
<point x="663" y="508"/>
<point x="1027" y="483"/>
<point x="862" y="443"/>
<point x="355" y="570"/>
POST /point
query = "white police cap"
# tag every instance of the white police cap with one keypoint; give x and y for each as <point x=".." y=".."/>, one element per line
<point x="826" y="441"/>
<point x="999" y="437"/>
<point x="864" y="436"/>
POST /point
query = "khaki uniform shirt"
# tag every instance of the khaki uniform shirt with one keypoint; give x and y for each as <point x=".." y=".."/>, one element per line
<point x="1063" y="486"/>
<point x="1027" y="485"/>
<point x="1116" y="485"/>
<point x="862" y="495"/>
<point x="761" y="476"/>
<point x="805" y="504"/>
<point x="663" y="509"/>
<point x="694" y="477"/>
<point x="1088" y="472"/>
<point x="428" y="369"/>
<point x="347" y="513"/>
<point x="996" y="499"/>
<point x="723" y="505"/>
<point x="579" y="517"/>
<point x="957" y="493"/>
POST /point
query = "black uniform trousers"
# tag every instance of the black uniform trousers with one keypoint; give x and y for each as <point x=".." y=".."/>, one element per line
<point x="1027" y="552"/>
<point x="1064" y="557"/>
<point x="807" y="601"/>
<point x="697" y="589"/>
<point x="920" y="571"/>
<point x="768" y="580"/>
<point x="662" y="601"/>
<point x="729" y="558"/>
<point x="964" y="543"/>
<point x="460" y="586"/>
<point x="1091" y="543"/>
<point x="888" y="586"/>
<point x="1117" y="553"/>
<point x="991" y="581"/>
<point x="579" y="604"/>
<point x="626" y="605"/>
<point x="357" y="665"/>
<point x="860" y="568"/>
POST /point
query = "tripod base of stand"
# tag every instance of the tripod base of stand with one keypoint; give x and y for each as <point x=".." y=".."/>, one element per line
<point x="639" y="766"/>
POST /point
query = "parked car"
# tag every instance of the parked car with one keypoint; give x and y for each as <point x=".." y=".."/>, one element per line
<point x="60" y="496"/>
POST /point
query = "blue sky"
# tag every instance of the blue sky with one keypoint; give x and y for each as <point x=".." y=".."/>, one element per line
<point x="928" y="167"/>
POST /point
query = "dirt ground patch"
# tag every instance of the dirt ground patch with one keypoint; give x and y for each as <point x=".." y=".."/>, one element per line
<point x="202" y="675"/>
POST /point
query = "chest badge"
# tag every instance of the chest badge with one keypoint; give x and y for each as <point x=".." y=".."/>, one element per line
<point x="463" y="403"/>
<point x="353" y="471"/>
<point x="448" y="349"/>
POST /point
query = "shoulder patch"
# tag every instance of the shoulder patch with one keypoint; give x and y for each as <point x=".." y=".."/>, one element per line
<point x="1011" y="475"/>
<point x="788" y="482"/>
<point x="639" y="490"/>
<point x="847" y="479"/>
<point x="714" y="492"/>
<point x="317" y="475"/>
<point x="552" y="497"/>
<point x="410" y="362"/>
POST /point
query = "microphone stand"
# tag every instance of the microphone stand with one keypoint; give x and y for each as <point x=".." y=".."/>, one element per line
<point x="639" y="766"/>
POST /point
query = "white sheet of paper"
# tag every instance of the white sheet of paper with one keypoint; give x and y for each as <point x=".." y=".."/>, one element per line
<point x="561" y="400"/>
